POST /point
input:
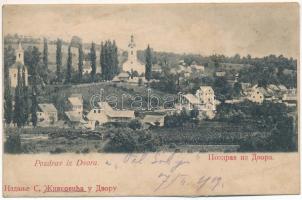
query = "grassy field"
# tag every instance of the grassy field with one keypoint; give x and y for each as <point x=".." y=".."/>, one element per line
<point x="203" y="137"/>
<point x="210" y="133"/>
<point x="124" y="93"/>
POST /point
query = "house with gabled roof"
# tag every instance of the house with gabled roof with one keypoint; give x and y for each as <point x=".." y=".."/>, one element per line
<point x="104" y="113"/>
<point x="154" y="120"/>
<point x="47" y="114"/>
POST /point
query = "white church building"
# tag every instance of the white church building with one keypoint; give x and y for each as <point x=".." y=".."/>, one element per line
<point x="132" y="63"/>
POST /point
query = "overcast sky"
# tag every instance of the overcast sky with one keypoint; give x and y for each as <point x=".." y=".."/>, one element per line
<point x="256" y="29"/>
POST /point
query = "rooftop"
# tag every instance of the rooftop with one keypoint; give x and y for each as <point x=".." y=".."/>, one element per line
<point x="47" y="107"/>
<point x="191" y="98"/>
<point x="153" y="118"/>
<point x="120" y="114"/>
<point x="75" y="101"/>
<point x="73" y="116"/>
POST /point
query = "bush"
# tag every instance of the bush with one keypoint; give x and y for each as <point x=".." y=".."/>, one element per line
<point x="13" y="144"/>
<point x="127" y="140"/>
<point x="135" y="124"/>
<point x="86" y="150"/>
<point x="58" y="150"/>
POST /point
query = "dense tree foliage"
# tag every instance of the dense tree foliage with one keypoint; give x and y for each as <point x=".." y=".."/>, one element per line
<point x="8" y="103"/>
<point x="92" y="56"/>
<point x="18" y="106"/>
<point x="109" y="60"/>
<point x="80" y="64"/>
<point x="128" y="140"/>
<point x="59" y="60"/>
<point x="273" y="117"/>
<point x="69" y="66"/>
<point x="9" y="59"/>
<point x="45" y="54"/>
<point x="13" y="144"/>
<point x="148" y="65"/>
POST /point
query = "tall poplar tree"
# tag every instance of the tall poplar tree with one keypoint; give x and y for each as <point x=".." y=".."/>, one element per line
<point x="69" y="65"/>
<point x="45" y="54"/>
<point x="148" y="66"/>
<point x="25" y="100"/>
<point x="93" y="61"/>
<point x="114" y="59"/>
<point x="59" y="60"/>
<point x="34" y="108"/>
<point x="8" y="104"/>
<point x="80" y="64"/>
<point x="43" y="70"/>
<point x="18" y="108"/>
<point x="109" y="60"/>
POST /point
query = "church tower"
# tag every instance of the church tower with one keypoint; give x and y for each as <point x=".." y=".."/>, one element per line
<point x="13" y="70"/>
<point x="133" y="64"/>
<point x="20" y="54"/>
<point x="132" y="50"/>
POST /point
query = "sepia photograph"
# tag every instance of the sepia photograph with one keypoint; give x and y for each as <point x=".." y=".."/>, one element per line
<point x="96" y="82"/>
<point x="209" y="80"/>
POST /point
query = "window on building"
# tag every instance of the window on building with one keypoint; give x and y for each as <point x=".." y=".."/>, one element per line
<point x="94" y="111"/>
<point x="131" y="52"/>
<point x="99" y="111"/>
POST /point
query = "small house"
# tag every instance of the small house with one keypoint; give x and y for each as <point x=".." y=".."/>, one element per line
<point x="154" y="120"/>
<point x="47" y="114"/>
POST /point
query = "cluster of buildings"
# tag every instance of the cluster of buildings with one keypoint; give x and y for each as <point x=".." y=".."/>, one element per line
<point x="204" y="101"/>
<point x="103" y="113"/>
<point x="187" y="71"/>
<point x="272" y="93"/>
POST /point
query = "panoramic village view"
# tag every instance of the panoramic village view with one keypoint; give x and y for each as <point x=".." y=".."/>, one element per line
<point x="69" y="96"/>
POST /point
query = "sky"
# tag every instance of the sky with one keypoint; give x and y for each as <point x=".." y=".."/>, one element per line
<point x="255" y="29"/>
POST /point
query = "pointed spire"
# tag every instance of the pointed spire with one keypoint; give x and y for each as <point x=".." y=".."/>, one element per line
<point x="20" y="46"/>
<point x="20" y="54"/>
<point x="131" y="44"/>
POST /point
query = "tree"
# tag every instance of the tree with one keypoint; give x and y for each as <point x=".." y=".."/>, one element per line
<point x="103" y="62"/>
<point x="80" y="64"/>
<point x="13" y="144"/>
<point x="69" y="65"/>
<point x="8" y="104"/>
<point x="34" y="64"/>
<point x="18" y="108"/>
<point x="114" y="59"/>
<point x="34" y="108"/>
<point x="25" y="99"/>
<point x="109" y="60"/>
<point x="135" y="124"/>
<point x="59" y="60"/>
<point x="148" y="66"/>
<point x="9" y="59"/>
<point x="45" y="55"/>
<point x="76" y="41"/>
<point x="93" y="61"/>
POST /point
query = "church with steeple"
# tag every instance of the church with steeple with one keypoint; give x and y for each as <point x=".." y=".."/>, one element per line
<point x="132" y="63"/>
<point x="13" y="70"/>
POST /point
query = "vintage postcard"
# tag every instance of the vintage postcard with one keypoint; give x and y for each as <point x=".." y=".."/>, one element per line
<point x="150" y="99"/>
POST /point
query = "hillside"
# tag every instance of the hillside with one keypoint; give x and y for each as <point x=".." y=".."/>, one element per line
<point x="122" y="93"/>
